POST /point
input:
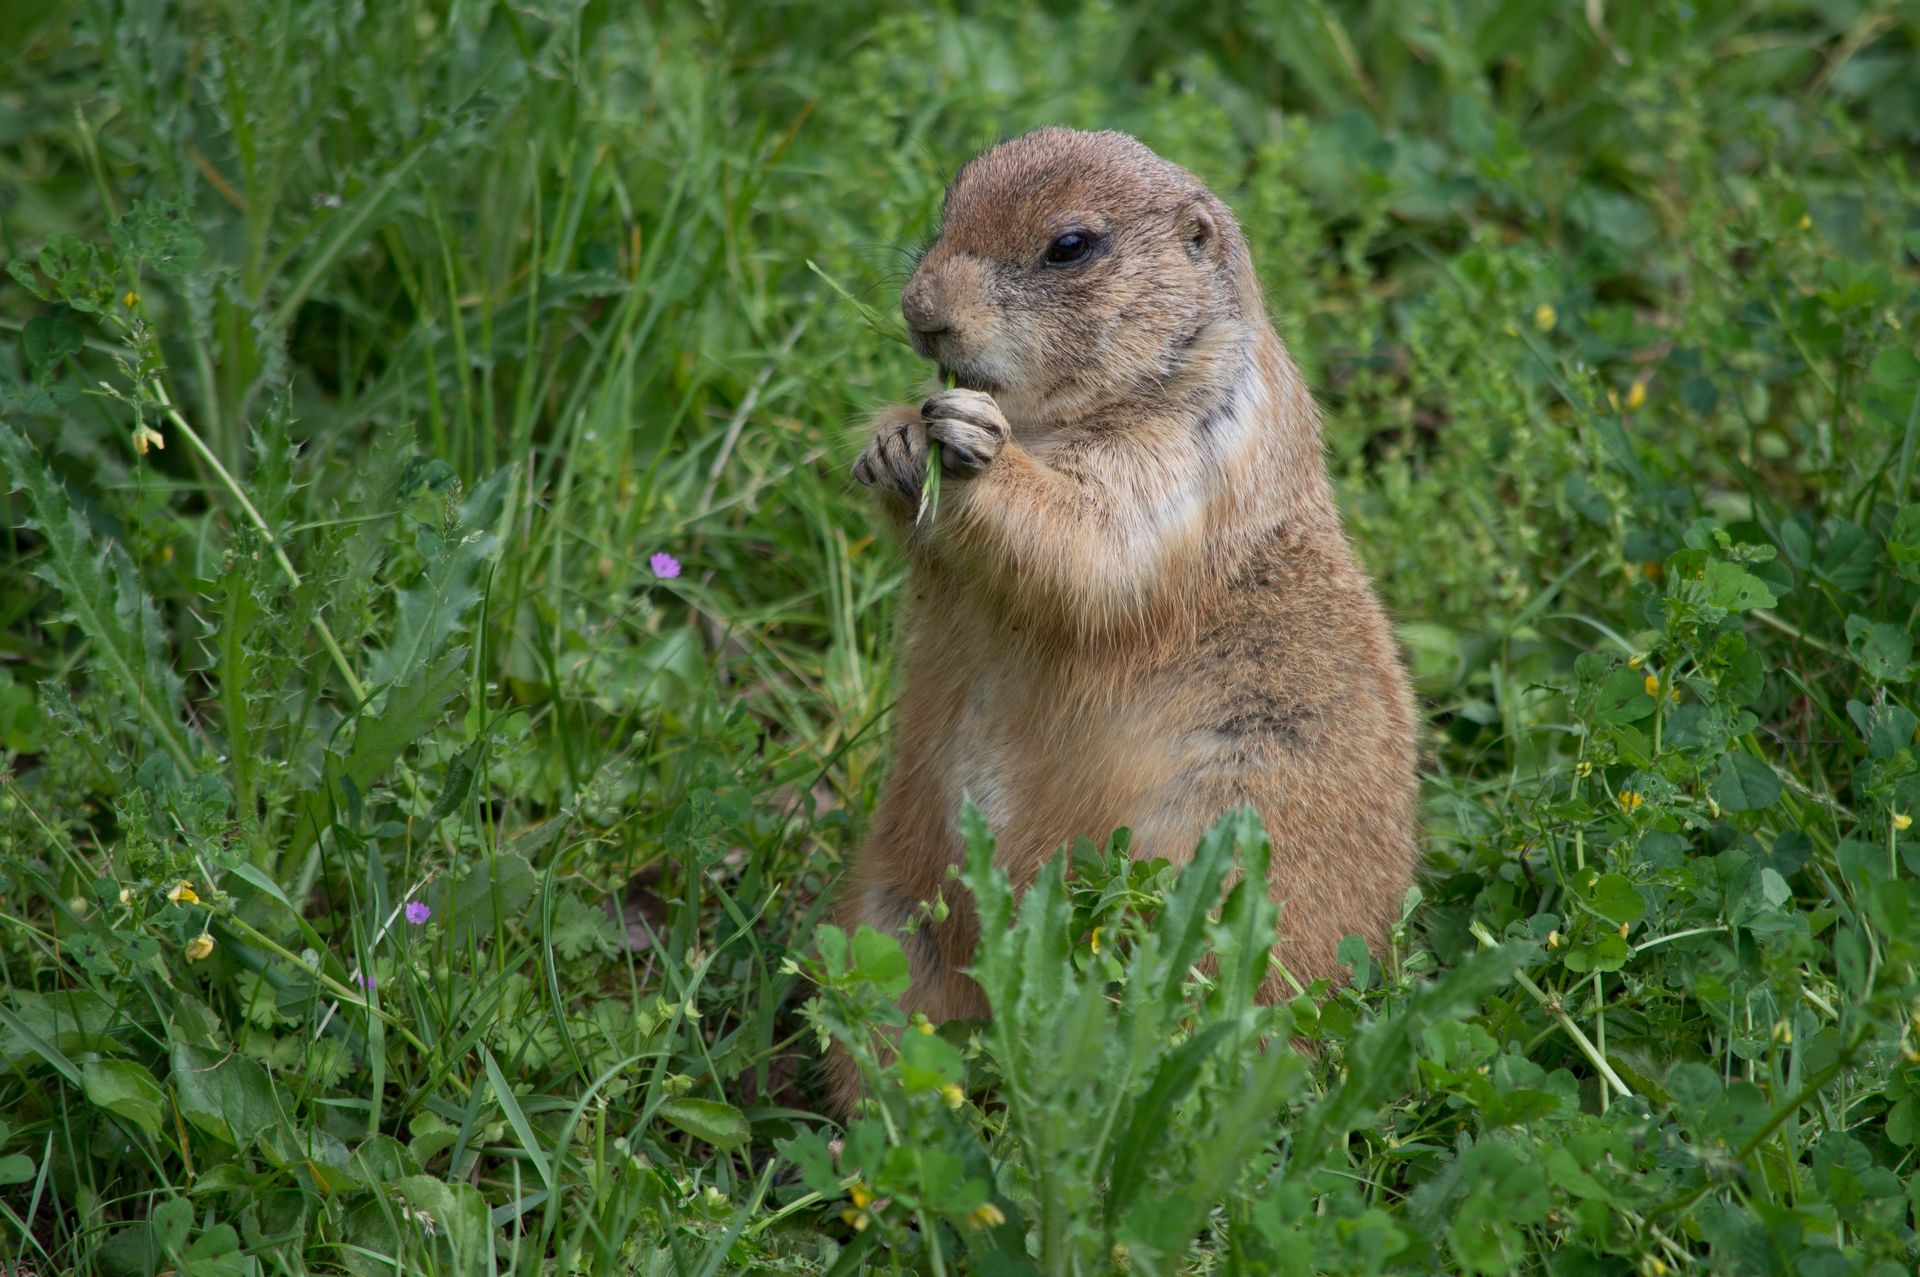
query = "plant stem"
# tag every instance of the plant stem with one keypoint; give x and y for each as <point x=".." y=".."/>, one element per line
<point x="232" y="485"/>
<point x="1554" y="1009"/>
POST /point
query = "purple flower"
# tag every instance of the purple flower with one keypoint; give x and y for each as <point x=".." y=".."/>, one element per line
<point x="365" y="982"/>
<point x="665" y="566"/>
<point x="418" y="911"/>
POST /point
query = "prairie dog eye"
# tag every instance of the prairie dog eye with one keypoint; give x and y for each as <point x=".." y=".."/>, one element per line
<point x="1070" y="248"/>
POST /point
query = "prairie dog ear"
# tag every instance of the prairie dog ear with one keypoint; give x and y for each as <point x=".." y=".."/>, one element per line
<point x="1201" y="229"/>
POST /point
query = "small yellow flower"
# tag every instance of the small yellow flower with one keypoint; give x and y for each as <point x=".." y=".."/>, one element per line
<point x="1096" y="940"/>
<point x="1553" y="939"/>
<point x="858" y="1218"/>
<point x="1902" y="821"/>
<point x="987" y="1216"/>
<point x="1629" y="800"/>
<point x="1636" y="393"/>
<point x="1583" y="769"/>
<point x="182" y="894"/>
<point x="926" y="1027"/>
<point x="1623" y="931"/>
<point x="1806" y="221"/>
<point x="1635" y="661"/>
<point x="1783" y="1032"/>
<point x="952" y="1094"/>
<point x="199" y="947"/>
<point x="1652" y="684"/>
<point x="126" y="895"/>
<point x="130" y="300"/>
<point x="1545" y="317"/>
<point x="862" y="1195"/>
<point x="145" y="437"/>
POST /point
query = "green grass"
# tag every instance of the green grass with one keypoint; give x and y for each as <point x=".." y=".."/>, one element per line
<point x="451" y="317"/>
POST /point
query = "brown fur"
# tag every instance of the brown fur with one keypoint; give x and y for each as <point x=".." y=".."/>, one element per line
<point x="1135" y="604"/>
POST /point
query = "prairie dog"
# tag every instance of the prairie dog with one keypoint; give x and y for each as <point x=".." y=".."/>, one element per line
<point x="1134" y="604"/>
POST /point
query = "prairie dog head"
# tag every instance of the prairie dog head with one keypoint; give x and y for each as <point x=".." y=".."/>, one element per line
<point x="1075" y="272"/>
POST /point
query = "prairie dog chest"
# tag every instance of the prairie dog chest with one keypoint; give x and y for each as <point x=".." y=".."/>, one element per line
<point x="1043" y="753"/>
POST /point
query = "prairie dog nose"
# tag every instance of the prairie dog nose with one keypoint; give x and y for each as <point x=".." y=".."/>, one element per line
<point x="925" y="315"/>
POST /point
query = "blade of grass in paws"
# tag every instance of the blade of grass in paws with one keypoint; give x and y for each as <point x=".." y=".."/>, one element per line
<point x="930" y="486"/>
<point x="875" y="320"/>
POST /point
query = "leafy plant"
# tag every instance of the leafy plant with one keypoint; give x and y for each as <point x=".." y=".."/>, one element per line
<point x="443" y="663"/>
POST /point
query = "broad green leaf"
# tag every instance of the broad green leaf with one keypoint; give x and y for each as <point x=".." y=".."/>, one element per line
<point x="1848" y="557"/>
<point x="493" y="894"/>
<point x="1623" y="698"/>
<point x="1732" y="587"/>
<point x="229" y="1096"/>
<point x="125" y="1088"/>
<point x="47" y="339"/>
<point x="172" y="1221"/>
<point x="458" y="1211"/>
<point x="878" y="957"/>
<point x="1569" y="1176"/>
<point x="1883" y="650"/>
<point x="1614" y="897"/>
<point x="1608" y="953"/>
<point x="928" y="1061"/>
<point x="720" y="1125"/>
<point x="1744" y="784"/>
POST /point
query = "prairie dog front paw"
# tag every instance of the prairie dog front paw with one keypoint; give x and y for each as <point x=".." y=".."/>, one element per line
<point x="895" y="459"/>
<point x="969" y="427"/>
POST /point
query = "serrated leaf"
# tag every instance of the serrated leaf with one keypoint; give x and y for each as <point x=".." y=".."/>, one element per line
<point x="159" y="236"/>
<point x="1148" y="1126"/>
<point x="429" y="613"/>
<point x="412" y="709"/>
<point x="103" y="596"/>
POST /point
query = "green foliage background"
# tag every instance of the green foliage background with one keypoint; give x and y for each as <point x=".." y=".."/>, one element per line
<point x="357" y="359"/>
